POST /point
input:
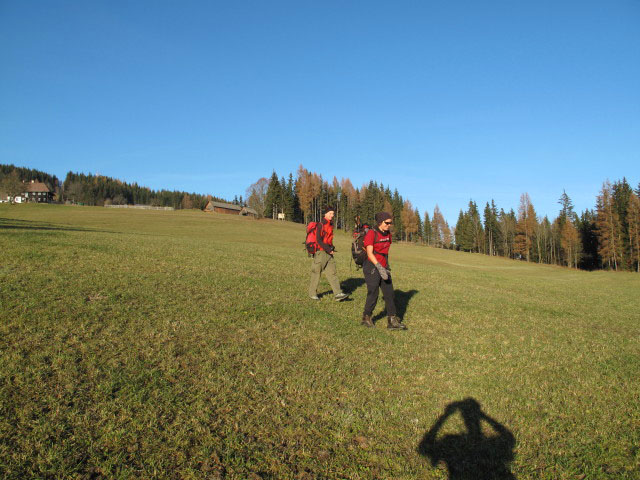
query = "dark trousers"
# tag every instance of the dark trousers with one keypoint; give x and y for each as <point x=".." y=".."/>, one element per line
<point x="374" y="282"/>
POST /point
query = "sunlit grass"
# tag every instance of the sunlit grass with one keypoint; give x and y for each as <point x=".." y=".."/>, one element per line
<point x="182" y="344"/>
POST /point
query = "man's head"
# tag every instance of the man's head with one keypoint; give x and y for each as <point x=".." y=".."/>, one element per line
<point x="329" y="212"/>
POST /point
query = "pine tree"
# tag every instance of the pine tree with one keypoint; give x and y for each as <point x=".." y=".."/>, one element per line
<point x="477" y="232"/>
<point x="420" y="232"/>
<point x="508" y="231"/>
<point x="621" y="195"/>
<point x="525" y="228"/>
<point x="274" y="196"/>
<point x="428" y="229"/>
<point x="544" y="239"/>
<point x="464" y="233"/>
<point x="586" y="225"/>
<point x="567" y="207"/>
<point x="492" y="229"/>
<point x="440" y="229"/>
<point x="633" y="219"/>
<point x="608" y="228"/>
<point x="397" y="204"/>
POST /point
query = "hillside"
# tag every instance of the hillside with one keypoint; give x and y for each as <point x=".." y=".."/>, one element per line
<point x="182" y="344"/>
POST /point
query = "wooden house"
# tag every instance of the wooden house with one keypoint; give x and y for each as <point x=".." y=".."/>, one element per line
<point x="229" y="208"/>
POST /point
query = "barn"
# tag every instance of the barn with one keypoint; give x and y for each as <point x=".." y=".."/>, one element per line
<point x="229" y="208"/>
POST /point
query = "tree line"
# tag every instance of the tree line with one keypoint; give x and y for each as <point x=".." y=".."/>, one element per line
<point x="12" y="178"/>
<point x="88" y="189"/>
<point x="607" y="237"/>
<point x="304" y="198"/>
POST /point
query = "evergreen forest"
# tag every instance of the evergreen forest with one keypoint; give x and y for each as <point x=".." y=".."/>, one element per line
<point x="606" y="237"/>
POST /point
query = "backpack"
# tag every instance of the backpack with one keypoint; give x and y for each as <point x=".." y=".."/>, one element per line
<point x="358" y="252"/>
<point x="310" y="242"/>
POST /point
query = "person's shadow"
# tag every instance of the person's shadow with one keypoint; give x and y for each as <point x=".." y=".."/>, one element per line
<point x="351" y="284"/>
<point x="402" y="300"/>
<point x="470" y="455"/>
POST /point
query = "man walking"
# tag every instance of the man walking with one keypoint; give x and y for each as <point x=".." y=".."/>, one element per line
<point x="323" y="258"/>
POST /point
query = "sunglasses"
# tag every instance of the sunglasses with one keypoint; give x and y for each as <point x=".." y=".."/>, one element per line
<point x="388" y="223"/>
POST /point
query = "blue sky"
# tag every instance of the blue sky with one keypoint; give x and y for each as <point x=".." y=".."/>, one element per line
<point x="445" y="101"/>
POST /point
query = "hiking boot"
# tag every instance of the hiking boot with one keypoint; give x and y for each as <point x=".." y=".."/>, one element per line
<point x="341" y="296"/>
<point x="314" y="297"/>
<point x="395" y="323"/>
<point x="366" y="321"/>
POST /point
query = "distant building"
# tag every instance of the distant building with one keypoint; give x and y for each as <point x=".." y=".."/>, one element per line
<point x="37" y="192"/>
<point x="5" y="198"/>
<point x="229" y="208"/>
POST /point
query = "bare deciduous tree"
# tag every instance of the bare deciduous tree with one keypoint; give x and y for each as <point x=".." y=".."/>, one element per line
<point x="257" y="194"/>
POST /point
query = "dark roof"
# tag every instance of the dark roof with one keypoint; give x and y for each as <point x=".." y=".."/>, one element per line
<point x="37" y="187"/>
<point x="231" y="206"/>
<point x="228" y="206"/>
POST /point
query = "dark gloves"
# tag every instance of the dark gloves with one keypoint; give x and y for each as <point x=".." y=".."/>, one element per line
<point x="384" y="273"/>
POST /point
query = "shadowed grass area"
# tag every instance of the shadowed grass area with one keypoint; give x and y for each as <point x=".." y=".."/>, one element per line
<point x="181" y="344"/>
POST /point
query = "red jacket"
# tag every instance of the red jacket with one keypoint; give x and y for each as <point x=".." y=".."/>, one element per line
<point x="324" y="236"/>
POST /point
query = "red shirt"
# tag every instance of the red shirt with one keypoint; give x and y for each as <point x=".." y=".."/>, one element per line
<point x="381" y="243"/>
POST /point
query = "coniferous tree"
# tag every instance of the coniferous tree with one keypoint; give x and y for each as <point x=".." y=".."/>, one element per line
<point x="475" y="224"/>
<point x="562" y="237"/>
<point x="464" y="233"/>
<point x="428" y="229"/>
<point x="420" y="232"/>
<point x="525" y="228"/>
<point x="621" y="195"/>
<point x="608" y="228"/>
<point x="544" y="239"/>
<point x="567" y="207"/>
<point x="397" y="205"/>
<point x="274" y="196"/>
<point x="492" y="229"/>
<point x="586" y="225"/>
<point x="440" y="229"/>
<point x="507" y="222"/>
<point x="633" y="221"/>
<point x="349" y="200"/>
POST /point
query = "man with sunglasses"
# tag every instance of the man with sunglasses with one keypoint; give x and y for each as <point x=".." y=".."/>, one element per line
<point x="377" y="275"/>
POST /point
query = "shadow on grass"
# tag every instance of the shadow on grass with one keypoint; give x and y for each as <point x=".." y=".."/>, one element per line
<point x="15" y="224"/>
<point x="402" y="300"/>
<point x="350" y="285"/>
<point x="471" y="454"/>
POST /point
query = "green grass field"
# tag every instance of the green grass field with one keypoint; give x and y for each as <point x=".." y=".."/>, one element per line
<point x="146" y="344"/>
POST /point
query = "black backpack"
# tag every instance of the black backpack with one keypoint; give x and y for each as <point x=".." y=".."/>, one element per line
<point x="358" y="252"/>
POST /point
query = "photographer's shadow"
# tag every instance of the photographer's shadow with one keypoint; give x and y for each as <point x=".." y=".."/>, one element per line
<point x="470" y="455"/>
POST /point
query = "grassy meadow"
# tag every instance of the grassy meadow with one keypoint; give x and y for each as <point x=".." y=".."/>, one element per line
<point x="152" y="344"/>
